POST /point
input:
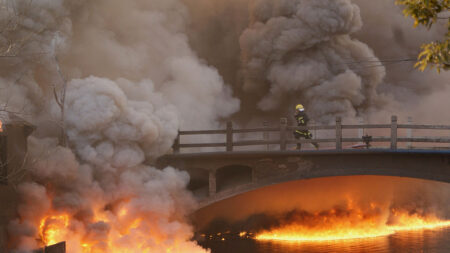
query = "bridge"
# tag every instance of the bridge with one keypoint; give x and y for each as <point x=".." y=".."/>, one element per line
<point x="237" y="164"/>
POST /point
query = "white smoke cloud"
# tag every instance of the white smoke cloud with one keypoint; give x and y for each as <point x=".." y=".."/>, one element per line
<point x="132" y="82"/>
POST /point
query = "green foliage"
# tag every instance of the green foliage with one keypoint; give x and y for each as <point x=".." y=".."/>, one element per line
<point x="435" y="53"/>
<point x="425" y="12"/>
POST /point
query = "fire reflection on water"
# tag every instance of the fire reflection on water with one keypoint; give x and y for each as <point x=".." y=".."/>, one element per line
<point x="353" y="224"/>
<point x="424" y="240"/>
<point x="354" y="211"/>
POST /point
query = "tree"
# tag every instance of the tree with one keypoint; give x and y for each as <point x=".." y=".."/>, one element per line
<point x="15" y="41"/>
<point x="426" y="13"/>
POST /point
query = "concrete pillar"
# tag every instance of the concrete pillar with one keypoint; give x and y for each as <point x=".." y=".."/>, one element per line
<point x="212" y="183"/>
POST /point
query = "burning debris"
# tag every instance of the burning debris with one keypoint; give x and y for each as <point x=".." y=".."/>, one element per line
<point x="55" y="248"/>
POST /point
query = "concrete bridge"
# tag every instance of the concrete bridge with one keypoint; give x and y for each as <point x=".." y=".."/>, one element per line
<point x="218" y="175"/>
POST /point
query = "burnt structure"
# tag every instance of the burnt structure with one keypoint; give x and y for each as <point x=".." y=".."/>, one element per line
<point x="56" y="248"/>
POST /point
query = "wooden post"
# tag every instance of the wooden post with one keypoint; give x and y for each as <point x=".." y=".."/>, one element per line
<point x="394" y="132"/>
<point x="338" y="133"/>
<point x="409" y="133"/>
<point x="212" y="183"/>
<point x="176" y="144"/>
<point x="283" y="126"/>
<point x="229" y="136"/>
<point x="266" y="134"/>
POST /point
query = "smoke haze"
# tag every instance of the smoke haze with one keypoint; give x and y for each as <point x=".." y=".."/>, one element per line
<point x="138" y="71"/>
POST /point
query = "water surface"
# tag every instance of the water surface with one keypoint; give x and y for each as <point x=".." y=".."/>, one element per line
<point x="433" y="241"/>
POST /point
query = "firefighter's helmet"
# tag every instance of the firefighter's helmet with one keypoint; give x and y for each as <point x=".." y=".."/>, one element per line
<point x="299" y="107"/>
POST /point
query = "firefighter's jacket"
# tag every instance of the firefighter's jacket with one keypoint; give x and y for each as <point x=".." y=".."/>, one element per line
<point x="302" y="120"/>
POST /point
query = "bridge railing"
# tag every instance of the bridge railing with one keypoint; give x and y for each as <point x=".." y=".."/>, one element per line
<point x="284" y="131"/>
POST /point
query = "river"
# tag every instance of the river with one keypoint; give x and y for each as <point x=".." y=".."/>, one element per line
<point x="433" y="241"/>
<point x="369" y="203"/>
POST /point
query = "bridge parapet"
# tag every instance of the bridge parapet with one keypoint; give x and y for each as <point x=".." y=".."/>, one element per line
<point x="283" y="139"/>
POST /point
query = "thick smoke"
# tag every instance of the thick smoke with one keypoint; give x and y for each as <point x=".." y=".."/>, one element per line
<point x="132" y="82"/>
<point x="137" y="71"/>
<point x="298" y="50"/>
<point x="96" y="199"/>
<point x="270" y="38"/>
<point x="393" y="37"/>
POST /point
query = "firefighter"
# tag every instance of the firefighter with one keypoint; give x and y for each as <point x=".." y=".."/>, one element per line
<point x="302" y="120"/>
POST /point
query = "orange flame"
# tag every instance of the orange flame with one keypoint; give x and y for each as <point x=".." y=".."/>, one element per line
<point x="51" y="227"/>
<point x="126" y="233"/>
<point x="353" y="224"/>
<point x="1" y="126"/>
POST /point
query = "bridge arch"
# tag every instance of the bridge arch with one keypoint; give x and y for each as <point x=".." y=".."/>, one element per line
<point x="300" y="175"/>
<point x="199" y="181"/>
<point x="233" y="175"/>
<point x="262" y="168"/>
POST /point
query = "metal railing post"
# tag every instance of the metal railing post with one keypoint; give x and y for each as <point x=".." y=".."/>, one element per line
<point x="283" y="126"/>
<point x="229" y="136"/>
<point x="176" y="144"/>
<point x="338" y="133"/>
<point x="394" y="132"/>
